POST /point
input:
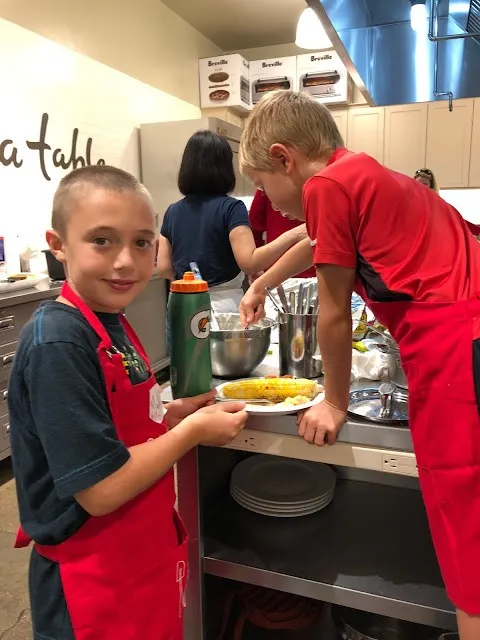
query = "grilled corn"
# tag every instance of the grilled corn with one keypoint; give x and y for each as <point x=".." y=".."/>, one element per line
<point x="272" y="389"/>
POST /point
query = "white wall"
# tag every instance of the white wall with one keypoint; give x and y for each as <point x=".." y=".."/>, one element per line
<point x="39" y="76"/>
<point x="142" y="38"/>
<point x="466" y="201"/>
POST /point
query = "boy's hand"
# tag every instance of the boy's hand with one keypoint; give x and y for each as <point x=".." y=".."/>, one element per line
<point x="252" y="306"/>
<point x="178" y="410"/>
<point x="320" y="424"/>
<point x="218" y="424"/>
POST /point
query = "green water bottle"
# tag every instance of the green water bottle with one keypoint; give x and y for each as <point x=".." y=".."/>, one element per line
<point x="189" y="319"/>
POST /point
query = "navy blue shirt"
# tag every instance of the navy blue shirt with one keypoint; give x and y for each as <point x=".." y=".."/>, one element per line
<point x="197" y="229"/>
<point x="63" y="439"/>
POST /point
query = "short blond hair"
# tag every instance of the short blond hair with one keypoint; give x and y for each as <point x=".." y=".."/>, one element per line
<point x="292" y="118"/>
<point x="75" y="184"/>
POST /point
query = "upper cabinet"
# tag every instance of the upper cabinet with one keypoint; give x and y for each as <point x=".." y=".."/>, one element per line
<point x="449" y="138"/>
<point x="406" y="137"/>
<point x="366" y="128"/>
<point x="474" y="180"/>
<point x="341" y="120"/>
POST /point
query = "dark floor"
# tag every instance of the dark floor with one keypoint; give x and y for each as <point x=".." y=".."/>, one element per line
<point x="14" y="607"/>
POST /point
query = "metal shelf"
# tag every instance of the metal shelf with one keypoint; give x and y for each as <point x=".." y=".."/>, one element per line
<point x="370" y="550"/>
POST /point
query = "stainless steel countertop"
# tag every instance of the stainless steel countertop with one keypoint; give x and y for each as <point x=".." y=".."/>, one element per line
<point x="43" y="291"/>
<point x="368" y="434"/>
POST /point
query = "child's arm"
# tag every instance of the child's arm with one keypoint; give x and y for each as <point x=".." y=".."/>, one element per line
<point x="69" y="415"/>
<point x="148" y="462"/>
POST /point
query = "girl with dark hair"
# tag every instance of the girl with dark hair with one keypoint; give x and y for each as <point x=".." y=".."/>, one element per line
<point x="211" y="228"/>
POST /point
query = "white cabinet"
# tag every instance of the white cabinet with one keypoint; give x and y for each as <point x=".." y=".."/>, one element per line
<point x="341" y="120"/>
<point x="366" y="128"/>
<point x="449" y="137"/>
<point x="406" y="137"/>
<point x="474" y="178"/>
<point x="147" y="315"/>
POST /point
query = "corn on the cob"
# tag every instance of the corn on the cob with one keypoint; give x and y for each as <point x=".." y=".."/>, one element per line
<point x="272" y="389"/>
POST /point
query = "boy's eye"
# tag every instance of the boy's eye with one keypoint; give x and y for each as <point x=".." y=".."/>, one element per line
<point x="101" y="241"/>
<point x="143" y="244"/>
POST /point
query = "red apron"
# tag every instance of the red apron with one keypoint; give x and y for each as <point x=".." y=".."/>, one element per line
<point x="124" y="574"/>
<point x="436" y="348"/>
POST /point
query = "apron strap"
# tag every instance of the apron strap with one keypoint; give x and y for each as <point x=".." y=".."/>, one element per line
<point x="72" y="297"/>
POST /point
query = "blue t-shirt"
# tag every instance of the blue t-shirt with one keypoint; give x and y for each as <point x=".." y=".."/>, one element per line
<point x="197" y="229"/>
<point x="63" y="439"/>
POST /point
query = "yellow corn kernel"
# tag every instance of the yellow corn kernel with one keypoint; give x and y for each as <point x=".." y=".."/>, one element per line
<point x="272" y="389"/>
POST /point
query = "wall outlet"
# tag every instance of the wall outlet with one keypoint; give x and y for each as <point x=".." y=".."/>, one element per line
<point x="403" y="464"/>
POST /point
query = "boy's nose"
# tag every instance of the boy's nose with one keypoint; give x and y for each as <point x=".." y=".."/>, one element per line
<point x="124" y="259"/>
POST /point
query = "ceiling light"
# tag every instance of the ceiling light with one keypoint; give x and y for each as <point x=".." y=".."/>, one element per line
<point x="418" y="16"/>
<point x="310" y="32"/>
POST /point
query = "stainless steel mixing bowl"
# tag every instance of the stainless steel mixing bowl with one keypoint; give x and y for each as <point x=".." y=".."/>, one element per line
<point x="236" y="352"/>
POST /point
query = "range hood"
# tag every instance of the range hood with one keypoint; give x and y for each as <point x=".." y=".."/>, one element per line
<point x="393" y="64"/>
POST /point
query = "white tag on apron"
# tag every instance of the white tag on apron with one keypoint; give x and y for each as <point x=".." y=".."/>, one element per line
<point x="157" y="409"/>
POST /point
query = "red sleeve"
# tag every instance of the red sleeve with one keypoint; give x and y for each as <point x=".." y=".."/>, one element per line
<point x="331" y="222"/>
<point x="258" y="217"/>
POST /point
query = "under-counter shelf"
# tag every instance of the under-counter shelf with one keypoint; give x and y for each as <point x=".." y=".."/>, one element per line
<point x="370" y="550"/>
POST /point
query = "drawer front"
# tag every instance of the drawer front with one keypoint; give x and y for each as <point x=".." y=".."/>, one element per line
<point x="4" y="433"/>
<point x="3" y="398"/>
<point x="12" y="320"/>
<point x="7" y="352"/>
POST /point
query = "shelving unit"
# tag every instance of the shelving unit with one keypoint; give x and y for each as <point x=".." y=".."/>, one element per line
<point x="369" y="550"/>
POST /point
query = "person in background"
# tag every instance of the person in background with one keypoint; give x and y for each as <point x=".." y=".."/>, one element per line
<point x="413" y="259"/>
<point x="211" y="228"/>
<point x="426" y="177"/>
<point x="92" y="446"/>
<point x="268" y="223"/>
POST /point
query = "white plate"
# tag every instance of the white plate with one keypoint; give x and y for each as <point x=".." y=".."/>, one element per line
<point x="30" y="281"/>
<point x="283" y="480"/>
<point x="276" y="409"/>
<point x="282" y="514"/>
<point x="280" y="509"/>
<point x="281" y="505"/>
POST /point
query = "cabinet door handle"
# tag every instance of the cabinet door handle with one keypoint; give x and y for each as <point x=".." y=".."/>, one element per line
<point x="7" y="323"/>
<point x="7" y="430"/>
<point x="8" y="359"/>
<point x="5" y="395"/>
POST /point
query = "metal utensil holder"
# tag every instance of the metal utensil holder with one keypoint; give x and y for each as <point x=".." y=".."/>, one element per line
<point x="298" y="345"/>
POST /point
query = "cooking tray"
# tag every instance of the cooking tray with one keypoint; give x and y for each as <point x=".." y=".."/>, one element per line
<point x="366" y="404"/>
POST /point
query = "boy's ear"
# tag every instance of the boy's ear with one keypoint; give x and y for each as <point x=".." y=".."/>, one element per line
<point x="55" y="244"/>
<point x="281" y="155"/>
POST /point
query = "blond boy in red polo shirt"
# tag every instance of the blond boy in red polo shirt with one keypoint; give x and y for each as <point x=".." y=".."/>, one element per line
<point x="415" y="262"/>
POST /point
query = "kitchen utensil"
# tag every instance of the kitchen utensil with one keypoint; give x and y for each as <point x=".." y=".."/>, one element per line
<point x="214" y="326"/>
<point x="395" y="371"/>
<point x="299" y="308"/>
<point x="276" y="409"/>
<point x="292" y="302"/>
<point x="282" y="487"/>
<point x="55" y="268"/>
<point x="385" y="408"/>
<point x="274" y="301"/>
<point x="283" y="298"/>
<point x="298" y="345"/>
<point x="307" y="298"/>
<point x="236" y="351"/>
<point x="353" y="624"/>
<point x="386" y="391"/>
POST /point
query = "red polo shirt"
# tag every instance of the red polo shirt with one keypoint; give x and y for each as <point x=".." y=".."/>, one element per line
<point x="404" y="241"/>
<point x="264" y="219"/>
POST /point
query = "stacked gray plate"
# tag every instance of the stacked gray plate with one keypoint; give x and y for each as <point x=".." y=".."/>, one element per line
<point x="282" y="487"/>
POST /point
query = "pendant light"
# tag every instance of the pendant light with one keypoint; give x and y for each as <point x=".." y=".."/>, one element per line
<point x="418" y="16"/>
<point x="310" y="32"/>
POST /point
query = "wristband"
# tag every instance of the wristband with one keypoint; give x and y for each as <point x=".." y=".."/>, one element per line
<point x="334" y="407"/>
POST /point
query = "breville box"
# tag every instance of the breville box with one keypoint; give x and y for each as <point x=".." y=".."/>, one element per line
<point x="324" y="76"/>
<point x="225" y="82"/>
<point x="272" y="74"/>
